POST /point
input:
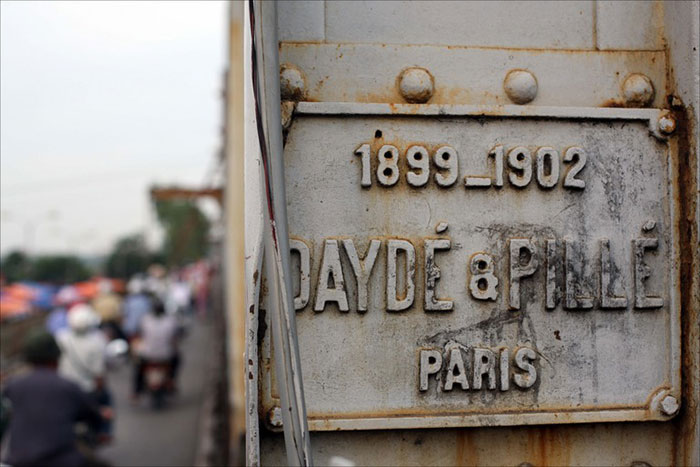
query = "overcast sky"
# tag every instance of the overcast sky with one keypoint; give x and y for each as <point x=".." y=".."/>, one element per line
<point x="98" y="100"/>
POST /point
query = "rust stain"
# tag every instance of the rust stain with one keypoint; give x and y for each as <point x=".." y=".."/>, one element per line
<point x="467" y="451"/>
<point x="612" y="103"/>
<point x="436" y="412"/>
<point x="686" y="423"/>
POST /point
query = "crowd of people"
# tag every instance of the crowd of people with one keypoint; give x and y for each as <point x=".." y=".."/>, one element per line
<point x="66" y="385"/>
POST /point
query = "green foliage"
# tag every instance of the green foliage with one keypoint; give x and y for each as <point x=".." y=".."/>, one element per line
<point x="130" y="255"/>
<point x="59" y="269"/>
<point x="16" y="266"/>
<point x="186" y="231"/>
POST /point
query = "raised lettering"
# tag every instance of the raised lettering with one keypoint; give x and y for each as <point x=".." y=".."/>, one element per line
<point x="432" y="275"/>
<point x="642" y="272"/>
<point x="393" y="302"/>
<point x="363" y="152"/>
<point x="362" y="268"/>
<point x="331" y="269"/>
<point x="551" y="284"/>
<point x="483" y="283"/>
<point x="607" y="300"/>
<point x="523" y="358"/>
<point x="484" y="364"/>
<point x="578" y="157"/>
<point x="523" y="263"/>
<point x="520" y="160"/>
<point x="430" y="364"/>
<point x="301" y="300"/>
<point x="572" y="300"/>
<point x="388" y="170"/>
<point x="418" y="158"/>
<point x="446" y="158"/>
<point x="504" y="369"/>
<point x="456" y="372"/>
<point x="547" y="163"/>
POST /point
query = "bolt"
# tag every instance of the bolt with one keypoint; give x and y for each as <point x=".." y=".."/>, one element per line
<point x="637" y="90"/>
<point x="416" y="85"/>
<point x="670" y="405"/>
<point x="649" y="225"/>
<point x="292" y="85"/>
<point x="667" y="124"/>
<point x="520" y="86"/>
<point x="274" y="416"/>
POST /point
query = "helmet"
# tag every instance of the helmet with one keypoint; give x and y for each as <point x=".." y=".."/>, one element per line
<point x="82" y="317"/>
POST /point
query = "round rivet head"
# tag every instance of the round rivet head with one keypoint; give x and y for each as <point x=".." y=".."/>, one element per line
<point x="667" y="124"/>
<point x="416" y="85"/>
<point x="637" y="90"/>
<point x="520" y="86"/>
<point x="292" y="84"/>
<point x="274" y="416"/>
<point x="670" y="405"/>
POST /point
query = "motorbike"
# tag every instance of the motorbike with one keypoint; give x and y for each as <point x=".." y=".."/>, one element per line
<point x="159" y="384"/>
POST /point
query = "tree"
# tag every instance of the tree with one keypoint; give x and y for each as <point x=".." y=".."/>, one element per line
<point x="59" y="269"/>
<point x="130" y="255"/>
<point x="186" y="231"/>
<point x="16" y="266"/>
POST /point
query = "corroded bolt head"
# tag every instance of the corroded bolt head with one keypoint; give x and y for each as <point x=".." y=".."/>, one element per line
<point x="292" y="84"/>
<point x="520" y="86"/>
<point x="637" y="90"/>
<point x="274" y="416"/>
<point x="670" y="405"/>
<point x="416" y="85"/>
<point x="667" y="124"/>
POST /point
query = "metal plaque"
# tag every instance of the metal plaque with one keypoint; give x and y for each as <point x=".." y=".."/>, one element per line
<point x="465" y="265"/>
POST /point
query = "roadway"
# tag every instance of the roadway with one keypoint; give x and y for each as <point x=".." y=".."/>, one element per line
<point x="145" y="437"/>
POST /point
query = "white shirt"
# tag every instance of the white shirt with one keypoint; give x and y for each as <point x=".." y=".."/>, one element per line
<point x="158" y="337"/>
<point x="82" y="357"/>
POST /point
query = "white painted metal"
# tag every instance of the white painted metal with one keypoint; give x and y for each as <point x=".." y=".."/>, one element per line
<point x="582" y="55"/>
<point x="633" y="367"/>
<point x="276" y="237"/>
<point x="340" y="72"/>
<point x="254" y="226"/>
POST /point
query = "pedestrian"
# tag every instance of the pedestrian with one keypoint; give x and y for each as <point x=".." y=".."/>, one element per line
<point x="45" y="408"/>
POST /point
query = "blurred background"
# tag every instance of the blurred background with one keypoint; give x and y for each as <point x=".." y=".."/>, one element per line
<point x="110" y="188"/>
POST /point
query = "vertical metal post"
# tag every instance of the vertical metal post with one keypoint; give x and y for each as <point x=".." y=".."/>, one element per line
<point x="282" y="317"/>
<point x="234" y="265"/>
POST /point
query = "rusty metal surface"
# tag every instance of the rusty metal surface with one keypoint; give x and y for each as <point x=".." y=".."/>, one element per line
<point x="337" y="72"/>
<point x="620" y="444"/>
<point x="607" y="347"/>
<point x="627" y="43"/>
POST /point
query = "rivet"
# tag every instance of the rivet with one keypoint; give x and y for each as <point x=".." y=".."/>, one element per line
<point x="670" y="405"/>
<point x="649" y="225"/>
<point x="274" y="416"/>
<point x="520" y="86"/>
<point x="292" y="84"/>
<point x="667" y="124"/>
<point x="637" y="90"/>
<point x="416" y="85"/>
<point x="441" y="227"/>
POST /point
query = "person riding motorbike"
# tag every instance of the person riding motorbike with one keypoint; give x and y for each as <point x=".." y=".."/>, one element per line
<point x="83" y="358"/>
<point x="45" y="407"/>
<point x="157" y="344"/>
